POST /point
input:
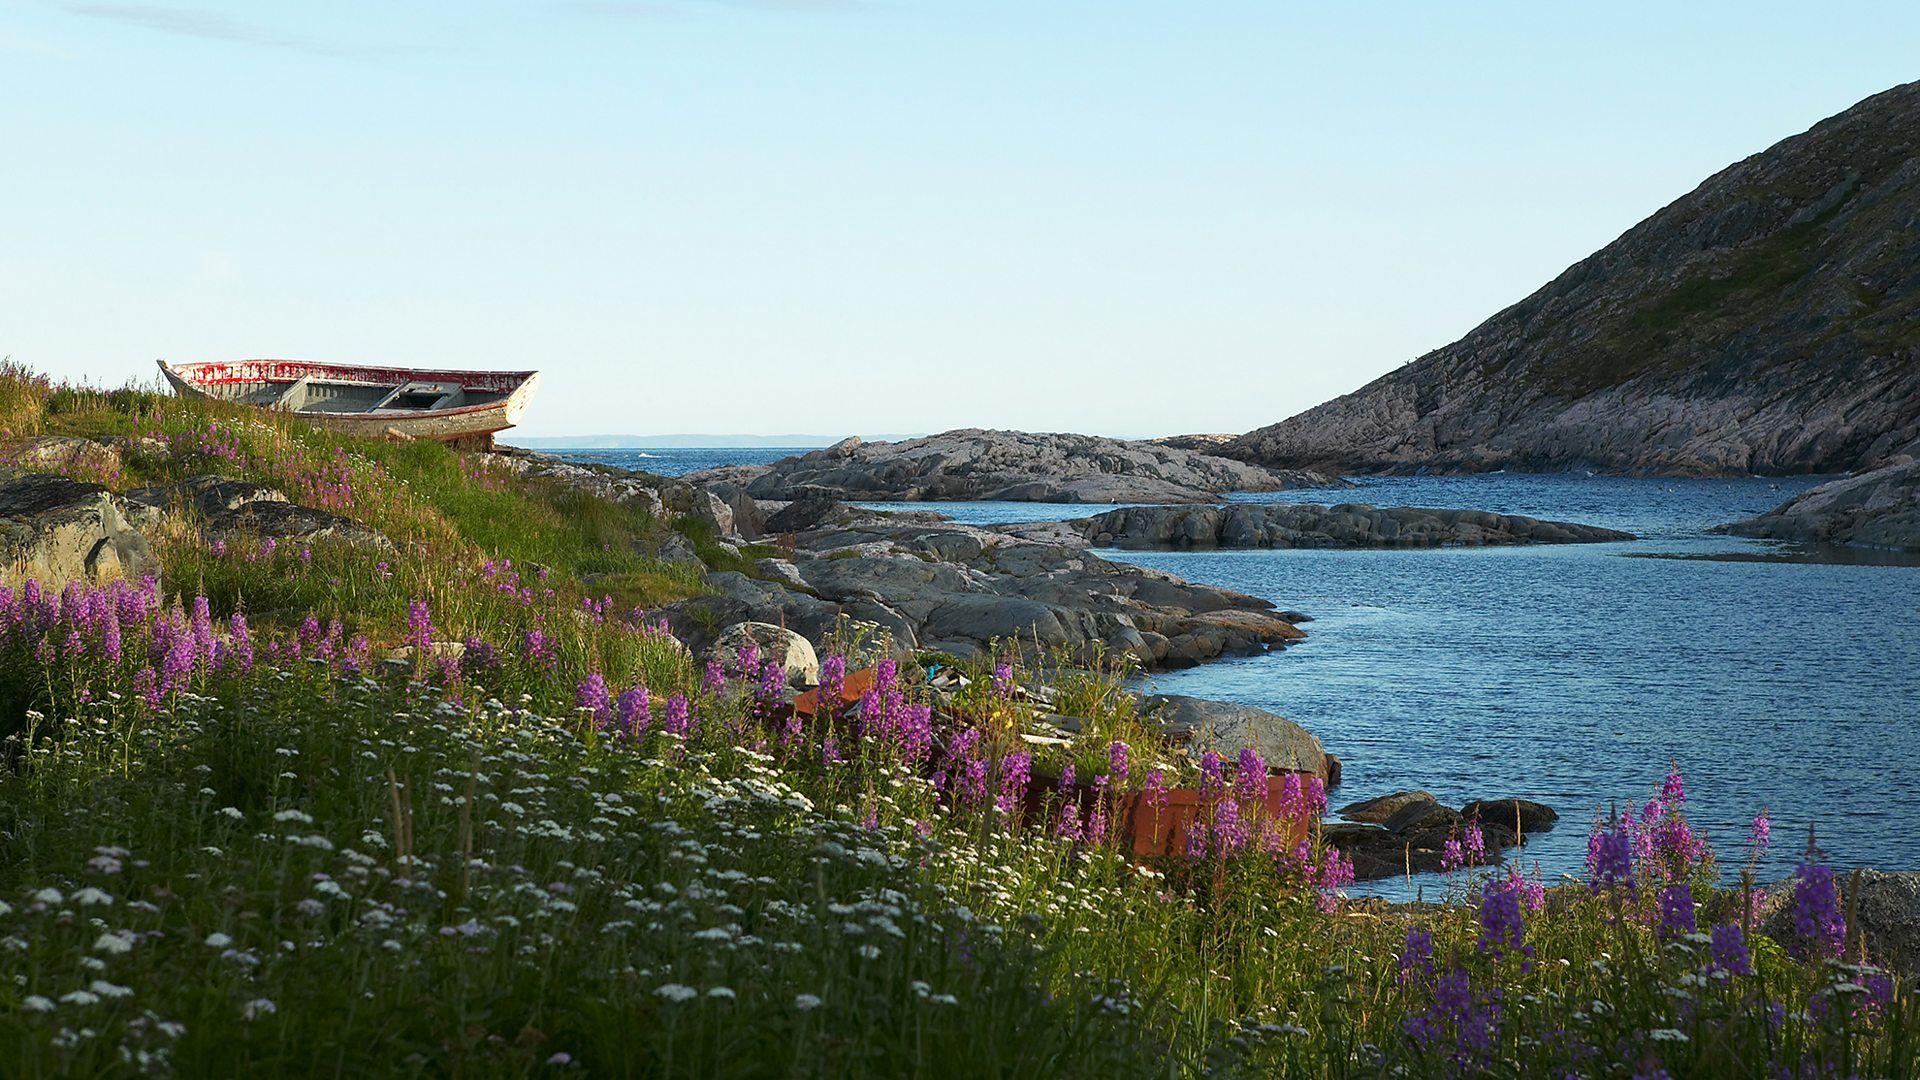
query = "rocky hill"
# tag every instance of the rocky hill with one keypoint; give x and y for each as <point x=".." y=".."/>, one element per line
<point x="1014" y="465"/>
<point x="1766" y="322"/>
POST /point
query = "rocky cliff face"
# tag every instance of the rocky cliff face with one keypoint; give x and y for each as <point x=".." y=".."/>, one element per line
<point x="1768" y="322"/>
<point x="1878" y="509"/>
<point x="1015" y="465"/>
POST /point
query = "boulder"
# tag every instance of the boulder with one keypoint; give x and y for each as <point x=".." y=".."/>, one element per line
<point x="1533" y="817"/>
<point x="713" y="511"/>
<point x="1887" y="916"/>
<point x="1227" y="728"/>
<point x="795" y="653"/>
<point x="59" y="530"/>
<point x="1377" y="810"/>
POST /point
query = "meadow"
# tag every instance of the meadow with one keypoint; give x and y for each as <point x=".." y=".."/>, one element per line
<point x="461" y="805"/>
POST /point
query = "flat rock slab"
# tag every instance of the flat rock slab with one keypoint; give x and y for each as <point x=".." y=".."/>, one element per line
<point x="1310" y="525"/>
<point x="973" y="464"/>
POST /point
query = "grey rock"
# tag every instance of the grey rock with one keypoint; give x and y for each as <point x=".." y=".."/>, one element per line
<point x="1378" y="810"/>
<point x="287" y="522"/>
<point x="1876" y="509"/>
<point x="1308" y="525"/>
<point x="57" y="530"/>
<point x="211" y="496"/>
<point x="1761" y="323"/>
<point x="68" y="455"/>
<point x="1014" y="465"/>
<point x="1227" y="728"/>
<point x="1426" y="824"/>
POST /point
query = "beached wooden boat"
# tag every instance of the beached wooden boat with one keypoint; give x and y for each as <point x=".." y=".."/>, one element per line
<point x="462" y="407"/>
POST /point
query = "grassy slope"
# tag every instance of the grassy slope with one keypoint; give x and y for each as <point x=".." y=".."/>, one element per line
<point x="409" y="885"/>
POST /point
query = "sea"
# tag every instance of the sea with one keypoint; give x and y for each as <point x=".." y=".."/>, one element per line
<point x="1772" y="677"/>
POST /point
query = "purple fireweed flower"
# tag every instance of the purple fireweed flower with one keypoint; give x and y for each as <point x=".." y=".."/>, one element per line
<point x="1212" y="778"/>
<point x="203" y="628"/>
<point x="1097" y="818"/>
<point x="309" y="629"/>
<point x="146" y="687"/>
<point x="1250" y="777"/>
<point x="833" y="679"/>
<point x="1292" y="798"/>
<point x="830" y="751"/>
<point x="634" y="712"/>
<point x="1817" y="917"/>
<point x="110" y="643"/>
<point x="714" y="677"/>
<point x="916" y="739"/>
<point x="1313" y="798"/>
<point x="1730" y="950"/>
<point x="886" y="672"/>
<point x="592" y="696"/>
<point x="1475" y="842"/>
<point x="1610" y="858"/>
<point x="1117" y="763"/>
<point x="748" y="658"/>
<point x="218" y="548"/>
<point x="1673" y="793"/>
<point x="1003" y="681"/>
<point x="1416" y="955"/>
<point x="358" y="650"/>
<point x="1016" y="771"/>
<point x="1501" y="924"/>
<point x="768" y="687"/>
<point x="1676" y="911"/>
<point x="1335" y="873"/>
<point x="268" y="547"/>
<point x="1068" y="777"/>
<point x="537" y="649"/>
<point x="419" y="626"/>
<point x="1453" y="855"/>
<point x="1532" y="891"/>
<point x="1760" y="837"/>
<point x="1228" y="829"/>
<point x="1068" y="827"/>
<point x="679" y="718"/>
<point x="1156" y="788"/>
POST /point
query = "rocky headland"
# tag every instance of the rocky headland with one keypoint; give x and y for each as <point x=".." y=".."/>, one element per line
<point x="1763" y="323"/>
<point x="930" y="582"/>
<point x="1875" y="509"/>
<point x="974" y="464"/>
<point x="1307" y="525"/>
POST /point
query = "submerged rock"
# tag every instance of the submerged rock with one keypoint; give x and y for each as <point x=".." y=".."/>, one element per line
<point x="1533" y="817"/>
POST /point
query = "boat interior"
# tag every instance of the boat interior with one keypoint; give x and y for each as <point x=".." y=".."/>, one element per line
<point x="310" y="394"/>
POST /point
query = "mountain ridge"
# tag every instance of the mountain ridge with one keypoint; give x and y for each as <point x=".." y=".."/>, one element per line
<point x="1767" y="321"/>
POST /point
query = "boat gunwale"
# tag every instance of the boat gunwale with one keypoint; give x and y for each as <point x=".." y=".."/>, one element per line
<point x="183" y="375"/>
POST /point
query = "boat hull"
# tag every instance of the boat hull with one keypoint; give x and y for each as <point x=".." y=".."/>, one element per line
<point x="365" y="400"/>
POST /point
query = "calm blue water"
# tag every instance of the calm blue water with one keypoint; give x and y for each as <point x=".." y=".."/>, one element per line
<point x="1574" y="674"/>
<point x="678" y="461"/>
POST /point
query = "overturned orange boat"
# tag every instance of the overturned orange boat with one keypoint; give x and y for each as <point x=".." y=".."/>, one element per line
<point x="460" y="407"/>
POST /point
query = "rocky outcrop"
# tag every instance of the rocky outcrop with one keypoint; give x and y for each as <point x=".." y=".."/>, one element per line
<point x="1014" y="465"/>
<point x="227" y="509"/>
<point x="1877" y="509"/>
<point x="1226" y="728"/>
<point x="1767" y="322"/>
<point x="936" y="584"/>
<point x="1307" y="525"/>
<point x="57" y="530"/>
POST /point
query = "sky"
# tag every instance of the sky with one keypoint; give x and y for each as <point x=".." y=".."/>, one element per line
<point x="856" y="216"/>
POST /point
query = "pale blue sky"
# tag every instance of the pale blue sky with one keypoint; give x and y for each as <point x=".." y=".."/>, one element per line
<point x="808" y="215"/>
